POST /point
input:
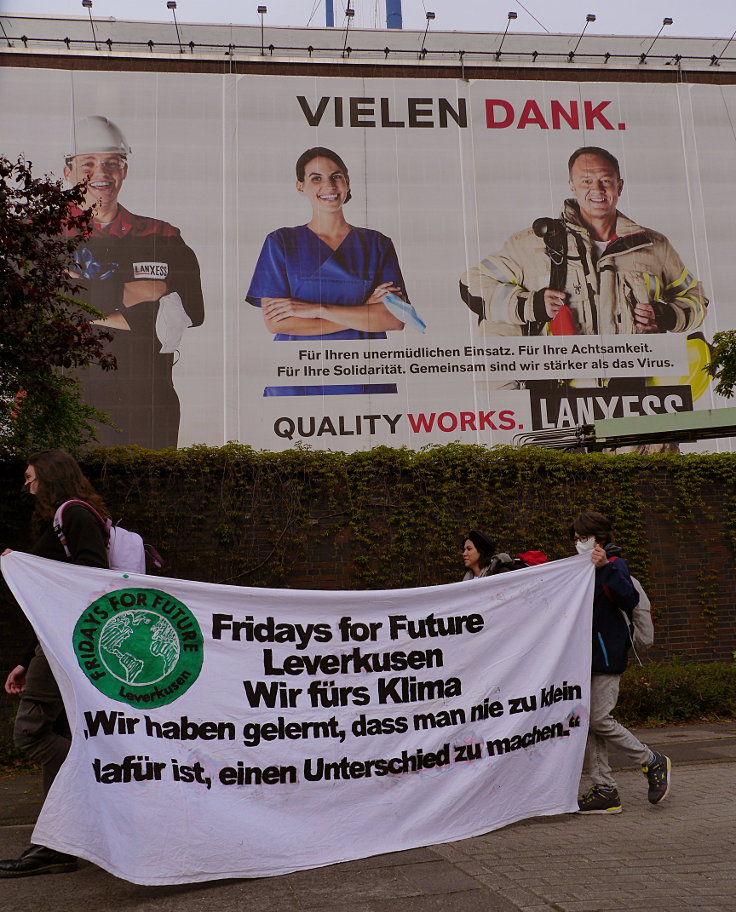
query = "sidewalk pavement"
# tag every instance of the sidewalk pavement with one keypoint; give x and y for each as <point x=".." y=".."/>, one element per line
<point x="679" y="855"/>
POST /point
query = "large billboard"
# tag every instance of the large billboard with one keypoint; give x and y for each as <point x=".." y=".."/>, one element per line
<point x="346" y="262"/>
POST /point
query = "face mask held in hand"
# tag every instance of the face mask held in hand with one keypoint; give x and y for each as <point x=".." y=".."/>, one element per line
<point x="585" y="547"/>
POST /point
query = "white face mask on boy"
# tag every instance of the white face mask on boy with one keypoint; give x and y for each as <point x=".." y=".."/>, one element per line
<point x="584" y="547"/>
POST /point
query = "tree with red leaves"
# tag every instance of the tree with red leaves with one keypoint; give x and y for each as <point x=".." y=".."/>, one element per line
<point x="44" y="330"/>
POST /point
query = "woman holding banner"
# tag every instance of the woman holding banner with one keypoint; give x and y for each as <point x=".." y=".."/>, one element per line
<point x="614" y="599"/>
<point x="328" y="280"/>
<point x="52" y="477"/>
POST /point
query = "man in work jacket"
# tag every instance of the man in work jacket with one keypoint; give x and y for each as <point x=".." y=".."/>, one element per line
<point x="616" y="277"/>
<point x="139" y="273"/>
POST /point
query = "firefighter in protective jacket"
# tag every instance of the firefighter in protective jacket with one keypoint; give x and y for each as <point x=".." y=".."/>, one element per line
<point x="592" y="271"/>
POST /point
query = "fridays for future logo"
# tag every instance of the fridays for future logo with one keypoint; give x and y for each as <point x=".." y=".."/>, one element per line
<point x="139" y="646"/>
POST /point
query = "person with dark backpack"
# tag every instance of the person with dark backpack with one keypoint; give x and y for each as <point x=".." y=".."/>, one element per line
<point x="614" y="600"/>
<point x="52" y="478"/>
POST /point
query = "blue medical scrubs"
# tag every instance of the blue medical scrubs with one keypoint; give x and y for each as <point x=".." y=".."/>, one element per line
<point x="296" y="263"/>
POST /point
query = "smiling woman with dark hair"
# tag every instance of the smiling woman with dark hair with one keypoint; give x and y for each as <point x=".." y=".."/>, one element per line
<point x="477" y="555"/>
<point x="327" y="279"/>
<point x="480" y="558"/>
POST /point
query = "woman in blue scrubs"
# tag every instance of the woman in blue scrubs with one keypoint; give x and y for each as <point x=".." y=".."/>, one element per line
<point x="327" y="279"/>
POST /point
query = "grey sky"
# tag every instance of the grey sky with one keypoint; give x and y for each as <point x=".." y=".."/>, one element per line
<point x="708" y="18"/>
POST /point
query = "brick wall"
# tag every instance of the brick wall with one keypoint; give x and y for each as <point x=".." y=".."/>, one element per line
<point x="215" y="524"/>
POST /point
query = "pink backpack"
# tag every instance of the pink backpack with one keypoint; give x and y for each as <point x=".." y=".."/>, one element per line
<point x="125" y="549"/>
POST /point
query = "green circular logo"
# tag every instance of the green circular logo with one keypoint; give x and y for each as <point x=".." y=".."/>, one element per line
<point x="139" y="646"/>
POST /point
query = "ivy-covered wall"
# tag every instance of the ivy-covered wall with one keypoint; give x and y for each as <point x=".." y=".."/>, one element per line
<point x="394" y="518"/>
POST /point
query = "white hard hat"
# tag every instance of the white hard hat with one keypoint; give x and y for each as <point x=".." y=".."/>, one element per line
<point x="98" y="134"/>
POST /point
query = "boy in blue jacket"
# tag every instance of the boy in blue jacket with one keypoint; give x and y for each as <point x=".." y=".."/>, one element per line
<point x="614" y="600"/>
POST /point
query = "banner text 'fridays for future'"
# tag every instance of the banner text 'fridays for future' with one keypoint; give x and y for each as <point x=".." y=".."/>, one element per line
<point x="230" y="732"/>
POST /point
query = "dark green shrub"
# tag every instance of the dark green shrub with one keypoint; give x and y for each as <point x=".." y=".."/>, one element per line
<point x="665" y="694"/>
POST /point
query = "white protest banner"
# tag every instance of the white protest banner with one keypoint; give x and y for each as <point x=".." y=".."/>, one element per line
<point x="231" y="732"/>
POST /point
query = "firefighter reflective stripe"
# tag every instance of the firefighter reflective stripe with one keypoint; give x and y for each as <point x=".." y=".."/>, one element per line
<point x="680" y="288"/>
<point x="698" y="308"/>
<point x="499" y="309"/>
<point x="653" y="286"/>
<point x="494" y="269"/>
<point x="678" y="291"/>
<point x="684" y="283"/>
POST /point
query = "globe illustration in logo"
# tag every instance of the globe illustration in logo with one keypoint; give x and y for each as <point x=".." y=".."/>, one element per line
<point x="139" y="646"/>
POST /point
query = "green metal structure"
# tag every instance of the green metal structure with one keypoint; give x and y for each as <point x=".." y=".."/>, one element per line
<point x="614" y="433"/>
